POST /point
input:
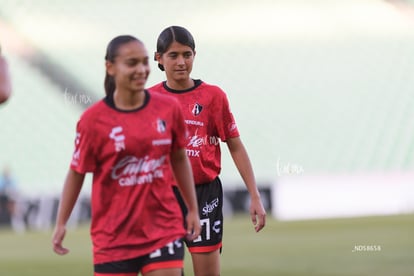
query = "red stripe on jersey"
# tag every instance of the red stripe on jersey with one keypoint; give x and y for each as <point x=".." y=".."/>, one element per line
<point x="163" y="265"/>
<point x="205" y="249"/>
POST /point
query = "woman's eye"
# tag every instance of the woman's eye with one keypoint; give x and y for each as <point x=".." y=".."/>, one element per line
<point x="131" y="63"/>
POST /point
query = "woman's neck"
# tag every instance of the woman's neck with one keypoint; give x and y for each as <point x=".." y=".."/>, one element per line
<point x="129" y="100"/>
<point x="180" y="85"/>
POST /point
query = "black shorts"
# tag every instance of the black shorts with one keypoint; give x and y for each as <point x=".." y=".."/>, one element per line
<point x="170" y="256"/>
<point x="210" y="205"/>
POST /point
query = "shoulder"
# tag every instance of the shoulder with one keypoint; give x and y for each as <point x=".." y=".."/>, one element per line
<point x="165" y="106"/>
<point x="157" y="87"/>
<point x="94" y="111"/>
<point x="214" y="94"/>
<point x="213" y="89"/>
<point x="163" y="99"/>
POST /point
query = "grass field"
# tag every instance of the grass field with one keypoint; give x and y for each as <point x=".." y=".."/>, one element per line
<point x="322" y="247"/>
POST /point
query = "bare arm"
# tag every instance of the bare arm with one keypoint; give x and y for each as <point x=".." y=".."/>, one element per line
<point x="184" y="176"/>
<point x="5" y="83"/>
<point x="70" y="193"/>
<point x="241" y="160"/>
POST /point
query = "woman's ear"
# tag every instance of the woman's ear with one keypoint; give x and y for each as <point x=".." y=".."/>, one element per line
<point x="110" y="68"/>
<point x="157" y="57"/>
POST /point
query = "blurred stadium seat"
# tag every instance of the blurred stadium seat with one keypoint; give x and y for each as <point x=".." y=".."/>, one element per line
<point x="320" y="86"/>
<point x="37" y="130"/>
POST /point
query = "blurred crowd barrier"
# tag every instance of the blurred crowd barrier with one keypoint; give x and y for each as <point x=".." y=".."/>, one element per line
<point x="39" y="213"/>
<point x="347" y="195"/>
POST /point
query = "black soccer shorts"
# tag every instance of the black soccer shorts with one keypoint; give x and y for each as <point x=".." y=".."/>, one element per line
<point x="169" y="256"/>
<point x="210" y="204"/>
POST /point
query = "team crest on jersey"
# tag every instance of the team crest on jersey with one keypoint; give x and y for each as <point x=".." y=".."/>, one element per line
<point x="196" y="109"/>
<point x="118" y="137"/>
<point x="161" y="126"/>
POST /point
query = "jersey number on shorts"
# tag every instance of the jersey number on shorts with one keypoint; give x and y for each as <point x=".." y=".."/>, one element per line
<point x="157" y="253"/>
<point x="207" y="223"/>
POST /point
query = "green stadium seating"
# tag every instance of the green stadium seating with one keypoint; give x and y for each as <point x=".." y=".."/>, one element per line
<point x="336" y="102"/>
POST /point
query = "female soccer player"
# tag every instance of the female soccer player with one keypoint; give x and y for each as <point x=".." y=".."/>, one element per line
<point x="130" y="140"/>
<point x="5" y="84"/>
<point x="208" y="118"/>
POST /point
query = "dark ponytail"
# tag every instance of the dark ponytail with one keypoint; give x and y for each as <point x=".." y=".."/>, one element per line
<point x="111" y="53"/>
<point x="109" y="84"/>
<point x="171" y="34"/>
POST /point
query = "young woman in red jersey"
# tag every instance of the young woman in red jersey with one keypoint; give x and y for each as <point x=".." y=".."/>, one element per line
<point x="5" y="83"/>
<point x="130" y="141"/>
<point x="209" y="120"/>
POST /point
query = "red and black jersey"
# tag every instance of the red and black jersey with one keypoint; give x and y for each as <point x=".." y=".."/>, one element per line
<point x="209" y="119"/>
<point x="134" y="210"/>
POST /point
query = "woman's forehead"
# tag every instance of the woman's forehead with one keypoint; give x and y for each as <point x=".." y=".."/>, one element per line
<point x="133" y="48"/>
<point x="178" y="47"/>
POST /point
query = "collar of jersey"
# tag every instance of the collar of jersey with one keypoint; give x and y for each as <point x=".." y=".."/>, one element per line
<point x="109" y="100"/>
<point x="197" y="83"/>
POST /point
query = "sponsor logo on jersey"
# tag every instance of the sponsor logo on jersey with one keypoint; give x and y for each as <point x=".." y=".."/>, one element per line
<point x="131" y="170"/>
<point x="232" y="126"/>
<point x="118" y="137"/>
<point x="75" y="158"/>
<point x="194" y="123"/>
<point x="196" y="141"/>
<point x="192" y="153"/>
<point x="196" y="109"/>
<point x="209" y="207"/>
<point x="161" y="142"/>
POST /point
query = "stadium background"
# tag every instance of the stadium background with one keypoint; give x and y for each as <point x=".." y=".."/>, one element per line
<point x="317" y="87"/>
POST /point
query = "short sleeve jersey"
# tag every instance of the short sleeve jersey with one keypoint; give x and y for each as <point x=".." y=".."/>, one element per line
<point x="134" y="211"/>
<point x="209" y="119"/>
